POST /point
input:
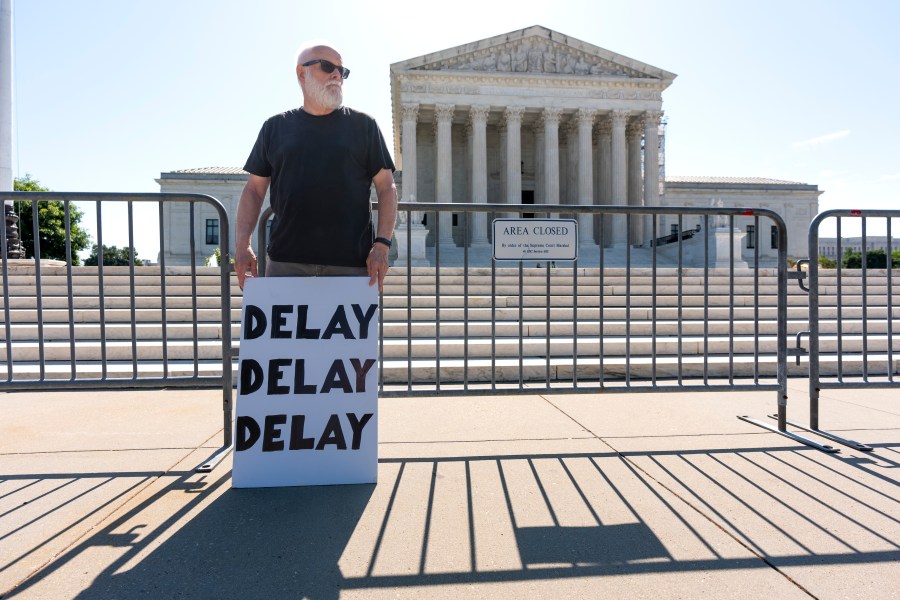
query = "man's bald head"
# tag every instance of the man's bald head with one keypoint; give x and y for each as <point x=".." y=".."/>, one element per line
<point x="313" y="50"/>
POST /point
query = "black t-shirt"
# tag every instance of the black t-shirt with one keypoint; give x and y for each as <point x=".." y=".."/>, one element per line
<point x="321" y="170"/>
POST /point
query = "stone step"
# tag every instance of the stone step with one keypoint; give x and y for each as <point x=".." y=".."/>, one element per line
<point x="460" y="301"/>
<point x="59" y="332"/>
<point x="120" y="302"/>
<point x="533" y="315"/>
<point x="587" y="301"/>
<point x="614" y="369"/>
<point x="687" y="345"/>
<point x="396" y="372"/>
<point x="123" y="315"/>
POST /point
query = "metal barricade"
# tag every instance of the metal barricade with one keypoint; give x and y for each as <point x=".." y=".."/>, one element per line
<point x="676" y="312"/>
<point x="117" y="327"/>
<point x="851" y="314"/>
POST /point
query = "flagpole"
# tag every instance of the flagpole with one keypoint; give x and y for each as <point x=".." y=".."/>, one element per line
<point x="6" y="96"/>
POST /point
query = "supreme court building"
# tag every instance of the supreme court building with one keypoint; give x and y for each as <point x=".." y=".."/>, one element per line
<point x="535" y="117"/>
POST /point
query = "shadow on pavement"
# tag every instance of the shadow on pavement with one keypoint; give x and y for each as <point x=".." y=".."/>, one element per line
<point x="505" y="518"/>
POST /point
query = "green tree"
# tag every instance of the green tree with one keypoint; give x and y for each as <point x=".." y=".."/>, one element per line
<point x="112" y="256"/>
<point x="875" y="259"/>
<point x="827" y="263"/>
<point x="51" y="224"/>
<point x="852" y="260"/>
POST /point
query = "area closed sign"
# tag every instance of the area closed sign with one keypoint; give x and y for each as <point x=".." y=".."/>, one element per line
<point x="535" y="239"/>
<point x="307" y="405"/>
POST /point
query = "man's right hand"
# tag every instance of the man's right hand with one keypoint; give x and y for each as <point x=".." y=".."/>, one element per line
<point x="244" y="261"/>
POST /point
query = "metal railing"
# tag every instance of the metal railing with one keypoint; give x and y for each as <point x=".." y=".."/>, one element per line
<point x="627" y="316"/>
<point x="851" y="333"/>
<point x="73" y="328"/>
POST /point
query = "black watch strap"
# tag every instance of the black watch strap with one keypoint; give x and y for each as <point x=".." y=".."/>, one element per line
<point x="385" y="241"/>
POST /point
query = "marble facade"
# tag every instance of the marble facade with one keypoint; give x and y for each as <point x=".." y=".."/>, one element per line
<point x="532" y="116"/>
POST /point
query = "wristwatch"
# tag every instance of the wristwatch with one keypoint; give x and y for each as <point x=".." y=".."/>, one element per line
<point x="381" y="240"/>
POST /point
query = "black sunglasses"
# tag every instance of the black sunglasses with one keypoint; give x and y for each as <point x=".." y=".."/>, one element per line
<point x="328" y="67"/>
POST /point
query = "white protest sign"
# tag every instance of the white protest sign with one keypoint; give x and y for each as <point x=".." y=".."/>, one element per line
<point x="530" y="239"/>
<point x="307" y="405"/>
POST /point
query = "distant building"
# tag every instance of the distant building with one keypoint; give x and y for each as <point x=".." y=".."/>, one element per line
<point x="828" y="247"/>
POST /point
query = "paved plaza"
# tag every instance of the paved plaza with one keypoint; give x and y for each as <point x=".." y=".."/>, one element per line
<point x="539" y="496"/>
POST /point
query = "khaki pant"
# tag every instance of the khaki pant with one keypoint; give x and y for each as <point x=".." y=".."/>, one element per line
<point x="275" y="268"/>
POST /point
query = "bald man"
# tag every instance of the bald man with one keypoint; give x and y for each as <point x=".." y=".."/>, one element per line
<point x="319" y="162"/>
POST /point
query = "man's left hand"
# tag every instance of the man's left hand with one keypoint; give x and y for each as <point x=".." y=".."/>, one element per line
<point x="377" y="265"/>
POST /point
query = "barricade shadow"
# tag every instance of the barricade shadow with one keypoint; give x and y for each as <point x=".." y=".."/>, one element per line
<point x="494" y="519"/>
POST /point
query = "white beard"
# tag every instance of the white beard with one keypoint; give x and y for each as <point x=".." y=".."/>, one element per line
<point x="329" y="95"/>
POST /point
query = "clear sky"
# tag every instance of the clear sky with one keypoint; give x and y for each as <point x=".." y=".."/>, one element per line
<point x="110" y="93"/>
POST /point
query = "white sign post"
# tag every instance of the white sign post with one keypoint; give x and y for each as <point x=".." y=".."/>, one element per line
<point x="535" y="239"/>
<point x="307" y="405"/>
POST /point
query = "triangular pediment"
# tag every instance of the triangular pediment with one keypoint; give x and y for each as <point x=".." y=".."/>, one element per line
<point x="536" y="50"/>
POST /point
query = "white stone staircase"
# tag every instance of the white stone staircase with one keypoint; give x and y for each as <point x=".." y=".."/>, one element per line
<point x="702" y="325"/>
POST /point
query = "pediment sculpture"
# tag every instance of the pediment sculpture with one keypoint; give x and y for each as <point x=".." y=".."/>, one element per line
<point x="535" y="55"/>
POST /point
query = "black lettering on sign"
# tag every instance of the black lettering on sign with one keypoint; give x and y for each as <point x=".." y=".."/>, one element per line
<point x="254" y="322"/>
<point x="298" y="442"/>
<point x="299" y="377"/>
<point x="302" y="332"/>
<point x="338" y="325"/>
<point x="333" y="434"/>
<point x="279" y="321"/>
<point x="251" y="376"/>
<point x="364" y="319"/>
<point x="275" y="374"/>
<point x="272" y="435"/>
<point x="247" y="433"/>
<point x="357" y="426"/>
<point x="337" y="377"/>
<point x="361" y="371"/>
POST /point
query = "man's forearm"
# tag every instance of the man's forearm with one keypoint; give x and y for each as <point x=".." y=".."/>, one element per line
<point x="249" y="208"/>
<point x="387" y="211"/>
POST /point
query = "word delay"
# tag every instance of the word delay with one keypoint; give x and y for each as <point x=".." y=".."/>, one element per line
<point x="249" y="433"/>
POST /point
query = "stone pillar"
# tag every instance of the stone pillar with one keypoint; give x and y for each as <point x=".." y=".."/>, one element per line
<point x="443" y="115"/>
<point x="478" y="120"/>
<point x="571" y="179"/>
<point x="550" y="118"/>
<point x="619" y="182"/>
<point x="651" y="170"/>
<point x="635" y="183"/>
<point x="604" y="149"/>
<point x="585" y="119"/>
<point x="417" y="233"/>
<point x="513" y="154"/>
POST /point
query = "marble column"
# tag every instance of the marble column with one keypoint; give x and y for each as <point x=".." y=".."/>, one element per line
<point x="651" y="170"/>
<point x="572" y="158"/>
<point x="409" y="114"/>
<point x="635" y="183"/>
<point x="443" y="114"/>
<point x="550" y="118"/>
<point x="619" y="181"/>
<point x="478" y="115"/>
<point x="604" y="149"/>
<point x="513" y="154"/>
<point x="585" y="120"/>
